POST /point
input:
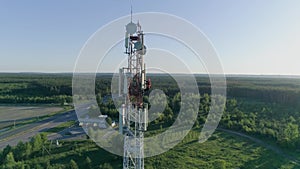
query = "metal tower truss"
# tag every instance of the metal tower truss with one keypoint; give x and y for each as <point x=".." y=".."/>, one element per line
<point x="132" y="86"/>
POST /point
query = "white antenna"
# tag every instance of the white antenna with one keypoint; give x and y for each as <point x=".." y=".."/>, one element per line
<point x="130" y="10"/>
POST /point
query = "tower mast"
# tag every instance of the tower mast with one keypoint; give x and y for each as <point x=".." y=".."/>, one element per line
<point x="133" y="113"/>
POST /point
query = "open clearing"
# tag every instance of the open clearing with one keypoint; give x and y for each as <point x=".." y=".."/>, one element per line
<point x="22" y="112"/>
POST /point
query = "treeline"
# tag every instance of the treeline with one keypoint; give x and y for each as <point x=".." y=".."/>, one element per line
<point x="269" y="122"/>
<point x="56" y="88"/>
<point x="283" y="91"/>
<point x="14" y="99"/>
<point x="273" y="122"/>
<point x="35" y="88"/>
<point x="272" y="95"/>
<point x="14" y="157"/>
<point x="263" y="107"/>
<point x="279" y="90"/>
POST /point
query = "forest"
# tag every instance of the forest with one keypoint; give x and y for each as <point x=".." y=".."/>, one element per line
<point x="26" y="88"/>
<point x="265" y="107"/>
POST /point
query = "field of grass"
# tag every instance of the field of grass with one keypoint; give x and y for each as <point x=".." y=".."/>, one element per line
<point x="220" y="151"/>
<point x="20" y="115"/>
<point x="23" y="112"/>
<point x="60" y="127"/>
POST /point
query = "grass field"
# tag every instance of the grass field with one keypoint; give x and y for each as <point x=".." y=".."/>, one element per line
<point x="60" y="127"/>
<point x="220" y="151"/>
<point x="15" y="115"/>
<point x="23" y="112"/>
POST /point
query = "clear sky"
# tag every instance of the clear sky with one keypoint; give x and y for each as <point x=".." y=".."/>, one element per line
<point x="251" y="36"/>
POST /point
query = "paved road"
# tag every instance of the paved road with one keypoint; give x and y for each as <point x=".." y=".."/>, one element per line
<point x="24" y="133"/>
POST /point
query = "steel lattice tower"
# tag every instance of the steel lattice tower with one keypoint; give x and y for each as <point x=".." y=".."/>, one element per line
<point x="132" y="86"/>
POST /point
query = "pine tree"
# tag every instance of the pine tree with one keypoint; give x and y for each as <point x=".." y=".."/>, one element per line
<point x="88" y="163"/>
<point x="19" y="151"/>
<point x="105" y="166"/>
<point x="28" y="150"/>
<point x="9" y="161"/>
<point x="36" y="142"/>
<point x="73" y="164"/>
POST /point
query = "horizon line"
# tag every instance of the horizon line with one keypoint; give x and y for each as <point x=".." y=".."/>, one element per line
<point x="175" y="73"/>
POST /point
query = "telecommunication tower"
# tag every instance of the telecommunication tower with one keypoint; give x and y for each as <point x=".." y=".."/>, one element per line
<point x="133" y="114"/>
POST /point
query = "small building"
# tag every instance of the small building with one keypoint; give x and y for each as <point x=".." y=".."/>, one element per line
<point x="95" y="122"/>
